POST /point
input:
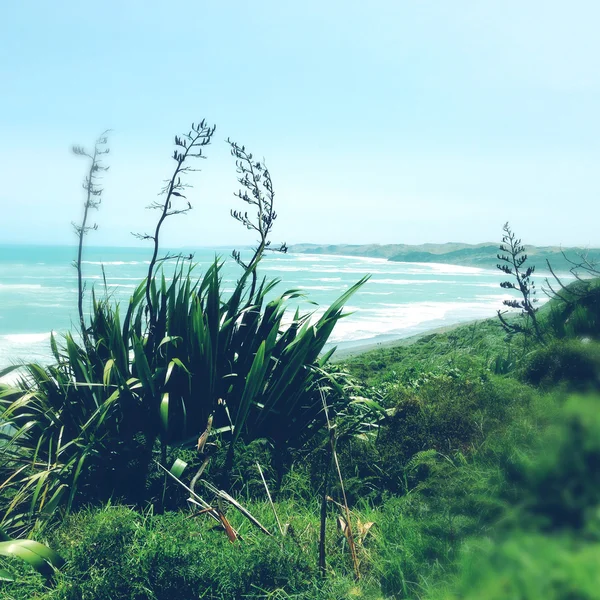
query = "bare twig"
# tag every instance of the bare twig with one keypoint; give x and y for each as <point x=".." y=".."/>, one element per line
<point x="258" y="193"/>
<point x="511" y="263"/>
<point x="92" y="201"/>
<point x="204" y="455"/>
<point x="188" y="146"/>
<point x="231" y="500"/>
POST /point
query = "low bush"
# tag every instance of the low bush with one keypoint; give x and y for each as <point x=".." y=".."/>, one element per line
<point x="574" y="364"/>
<point x="447" y="413"/>
<point x="559" y="483"/>
<point x="527" y="567"/>
<point x="575" y="308"/>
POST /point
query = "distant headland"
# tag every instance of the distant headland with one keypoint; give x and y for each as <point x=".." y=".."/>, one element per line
<point x="471" y="255"/>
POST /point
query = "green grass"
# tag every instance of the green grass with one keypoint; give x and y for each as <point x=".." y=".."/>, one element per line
<point x="470" y="348"/>
<point x="117" y="553"/>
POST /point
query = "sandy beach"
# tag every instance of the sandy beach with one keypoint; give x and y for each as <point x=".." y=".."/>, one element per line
<point x="343" y="354"/>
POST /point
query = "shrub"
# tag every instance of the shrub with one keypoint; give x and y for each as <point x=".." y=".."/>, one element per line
<point x="575" y="308"/>
<point x="440" y="415"/>
<point x="528" y="567"/>
<point x="559" y="483"/>
<point x="184" y="354"/>
<point x="448" y="414"/>
<point x="572" y="363"/>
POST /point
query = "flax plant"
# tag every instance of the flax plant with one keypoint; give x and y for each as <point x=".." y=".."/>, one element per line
<point x="180" y="353"/>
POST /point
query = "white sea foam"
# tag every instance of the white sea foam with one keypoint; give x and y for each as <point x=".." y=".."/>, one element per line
<point x="20" y="286"/>
<point x="341" y="258"/>
<point x="126" y="278"/>
<point x="324" y="269"/>
<point x="23" y="347"/>
<point x="499" y="297"/>
<point x="409" y="281"/>
<point x="398" y="320"/>
<point x="306" y="257"/>
<point x="314" y="258"/>
<point x="25" y="338"/>
<point x="285" y="268"/>
<point x="446" y="268"/>
<point x="62" y="277"/>
<point x="324" y="279"/>
<point x="405" y="319"/>
<point x="367" y="293"/>
<point x="45" y="305"/>
<point x="116" y="262"/>
<point x="11" y="378"/>
<point x="324" y="288"/>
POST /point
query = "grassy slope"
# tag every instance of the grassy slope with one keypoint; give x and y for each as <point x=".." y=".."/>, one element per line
<point x="475" y="485"/>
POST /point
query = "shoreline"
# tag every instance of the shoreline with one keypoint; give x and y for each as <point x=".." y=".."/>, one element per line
<point x="343" y="354"/>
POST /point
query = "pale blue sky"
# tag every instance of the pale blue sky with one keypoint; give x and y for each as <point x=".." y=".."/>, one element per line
<point x="381" y="122"/>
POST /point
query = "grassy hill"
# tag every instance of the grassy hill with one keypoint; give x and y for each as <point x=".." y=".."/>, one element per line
<point x="474" y="474"/>
<point x="471" y="255"/>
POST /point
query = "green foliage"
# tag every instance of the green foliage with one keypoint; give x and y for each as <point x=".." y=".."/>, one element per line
<point x="472" y="349"/>
<point x="64" y="434"/>
<point x="533" y="477"/>
<point x="244" y="477"/>
<point x="90" y="422"/>
<point x="38" y="556"/>
<point x="116" y="553"/>
<point x="528" y="567"/>
<point x="575" y="308"/>
<point x="234" y="359"/>
<point x="185" y="358"/>
<point x="573" y="363"/>
<point x="422" y="531"/>
<point x="172" y="557"/>
<point x="559" y="484"/>
<point x="526" y="481"/>
<point x="463" y="481"/>
<point x="408" y="552"/>
<point x="20" y="581"/>
<point x="448" y="414"/>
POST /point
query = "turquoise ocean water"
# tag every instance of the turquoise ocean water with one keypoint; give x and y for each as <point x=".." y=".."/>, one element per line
<point x="38" y="292"/>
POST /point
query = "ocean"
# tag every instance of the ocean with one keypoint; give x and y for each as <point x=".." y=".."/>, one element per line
<point x="38" y="292"/>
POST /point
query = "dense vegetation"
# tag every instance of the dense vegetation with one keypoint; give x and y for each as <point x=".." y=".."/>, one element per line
<point x="192" y="446"/>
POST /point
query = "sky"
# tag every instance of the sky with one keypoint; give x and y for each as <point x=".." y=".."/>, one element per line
<point x="381" y="122"/>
